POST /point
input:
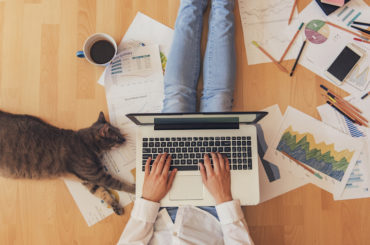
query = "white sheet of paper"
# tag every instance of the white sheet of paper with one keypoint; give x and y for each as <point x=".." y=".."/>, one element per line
<point x="318" y="57"/>
<point x="325" y="145"/>
<point x="282" y="181"/>
<point x="358" y="185"/>
<point x="145" y="30"/>
<point x="135" y="87"/>
<point x="266" y="22"/>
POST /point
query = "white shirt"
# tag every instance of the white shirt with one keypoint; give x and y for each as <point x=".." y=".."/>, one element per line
<point x="192" y="225"/>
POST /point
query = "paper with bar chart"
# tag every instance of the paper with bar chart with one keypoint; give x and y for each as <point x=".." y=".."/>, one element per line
<point x="314" y="150"/>
<point x="358" y="185"/>
<point x="274" y="181"/>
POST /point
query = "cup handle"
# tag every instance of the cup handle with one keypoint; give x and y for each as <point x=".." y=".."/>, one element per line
<point x="80" y="54"/>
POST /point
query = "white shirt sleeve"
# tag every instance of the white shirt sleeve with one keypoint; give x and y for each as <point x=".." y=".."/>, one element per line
<point x="233" y="224"/>
<point x="139" y="229"/>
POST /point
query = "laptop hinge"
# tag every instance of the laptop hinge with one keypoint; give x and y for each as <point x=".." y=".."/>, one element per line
<point x="194" y="125"/>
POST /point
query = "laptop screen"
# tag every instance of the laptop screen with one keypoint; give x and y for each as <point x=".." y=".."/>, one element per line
<point x="222" y="117"/>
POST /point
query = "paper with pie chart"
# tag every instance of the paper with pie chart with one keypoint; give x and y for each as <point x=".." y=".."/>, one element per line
<point x="317" y="31"/>
<point x="324" y="44"/>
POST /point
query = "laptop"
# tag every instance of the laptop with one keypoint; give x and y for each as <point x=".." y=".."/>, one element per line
<point x="187" y="137"/>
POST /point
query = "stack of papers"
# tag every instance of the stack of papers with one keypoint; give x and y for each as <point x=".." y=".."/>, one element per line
<point x="133" y="84"/>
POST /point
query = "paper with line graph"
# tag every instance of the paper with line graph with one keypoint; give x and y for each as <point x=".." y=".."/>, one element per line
<point x="358" y="185"/>
<point x="266" y="22"/>
<point x="315" y="151"/>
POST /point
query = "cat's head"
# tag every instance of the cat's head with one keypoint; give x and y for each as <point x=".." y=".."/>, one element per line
<point x="106" y="134"/>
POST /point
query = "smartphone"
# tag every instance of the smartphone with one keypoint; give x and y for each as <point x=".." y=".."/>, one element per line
<point x="344" y="63"/>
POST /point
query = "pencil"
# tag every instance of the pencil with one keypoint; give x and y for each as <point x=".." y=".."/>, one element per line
<point x="299" y="55"/>
<point x="347" y="107"/>
<point x="341" y="112"/>
<point x="301" y="164"/>
<point x="291" y="42"/>
<point x="292" y="12"/>
<point x="344" y="29"/>
<point x="360" y="40"/>
<point x="365" y="95"/>
<point x="271" y="58"/>
<point x="340" y="98"/>
<point x="345" y="110"/>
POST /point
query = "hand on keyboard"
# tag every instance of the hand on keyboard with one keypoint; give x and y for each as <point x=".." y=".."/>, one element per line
<point x="157" y="180"/>
<point x="217" y="179"/>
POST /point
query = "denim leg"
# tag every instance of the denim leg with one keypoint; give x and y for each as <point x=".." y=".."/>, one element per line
<point x="219" y="62"/>
<point x="183" y="66"/>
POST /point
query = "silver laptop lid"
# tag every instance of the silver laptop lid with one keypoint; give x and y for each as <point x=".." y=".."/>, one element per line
<point x="201" y="120"/>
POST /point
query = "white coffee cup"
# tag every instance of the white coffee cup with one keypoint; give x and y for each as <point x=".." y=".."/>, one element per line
<point x="99" y="49"/>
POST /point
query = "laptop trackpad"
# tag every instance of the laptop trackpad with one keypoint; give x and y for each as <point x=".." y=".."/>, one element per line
<point x="187" y="187"/>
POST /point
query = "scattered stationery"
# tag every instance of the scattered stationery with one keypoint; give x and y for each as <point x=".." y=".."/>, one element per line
<point x="266" y="23"/>
<point x="274" y="181"/>
<point x="299" y="55"/>
<point x="359" y="182"/>
<point x="134" y="83"/>
<point x="291" y="42"/>
<point x="145" y="30"/>
<point x="344" y="29"/>
<point x="328" y="41"/>
<point x="270" y="57"/>
<point x="321" y="148"/>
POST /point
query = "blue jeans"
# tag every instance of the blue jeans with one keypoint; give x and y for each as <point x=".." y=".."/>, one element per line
<point x="183" y="66"/>
<point x="184" y="61"/>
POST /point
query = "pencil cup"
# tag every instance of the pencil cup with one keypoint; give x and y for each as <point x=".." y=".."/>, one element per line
<point x="99" y="49"/>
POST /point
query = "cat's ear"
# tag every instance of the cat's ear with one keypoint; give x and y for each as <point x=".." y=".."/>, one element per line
<point x="103" y="131"/>
<point x="101" y="118"/>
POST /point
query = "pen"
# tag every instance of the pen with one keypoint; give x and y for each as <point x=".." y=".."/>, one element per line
<point x="299" y="55"/>
<point x="365" y="95"/>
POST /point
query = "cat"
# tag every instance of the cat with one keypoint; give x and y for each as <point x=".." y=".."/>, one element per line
<point x="33" y="149"/>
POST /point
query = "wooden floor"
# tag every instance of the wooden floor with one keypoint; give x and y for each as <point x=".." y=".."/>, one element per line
<point x="40" y="75"/>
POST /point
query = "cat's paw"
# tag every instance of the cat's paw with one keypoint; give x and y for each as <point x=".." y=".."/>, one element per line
<point x="118" y="209"/>
<point x="131" y="188"/>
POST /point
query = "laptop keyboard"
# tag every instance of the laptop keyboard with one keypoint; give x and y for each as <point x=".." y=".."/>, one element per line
<point x="187" y="152"/>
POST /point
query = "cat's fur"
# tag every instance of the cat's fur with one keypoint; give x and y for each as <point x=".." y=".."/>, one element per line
<point x="31" y="148"/>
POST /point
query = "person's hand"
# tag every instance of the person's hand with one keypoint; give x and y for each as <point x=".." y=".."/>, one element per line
<point x="157" y="181"/>
<point x="217" y="179"/>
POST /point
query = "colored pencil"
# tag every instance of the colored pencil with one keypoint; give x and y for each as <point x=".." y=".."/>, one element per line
<point x="301" y="164"/>
<point x="271" y="58"/>
<point x="345" y="110"/>
<point x="360" y="40"/>
<point x="365" y="95"/>
<point x="292" y="12"/>
<point x="333" y="103"/>
<point x="352" y="111"/>
<point x="340" y="98"/>
<point x="299" y="55"/>
<point x="291" y="42"/>
<point x="341" y="112"/>
<point x="344" y="29"/>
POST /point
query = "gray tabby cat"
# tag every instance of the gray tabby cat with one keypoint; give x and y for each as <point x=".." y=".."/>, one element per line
<point x="31" y="148"/>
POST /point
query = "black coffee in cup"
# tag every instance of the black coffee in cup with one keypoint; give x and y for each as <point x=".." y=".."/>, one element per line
<point x="102" y="51"/>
